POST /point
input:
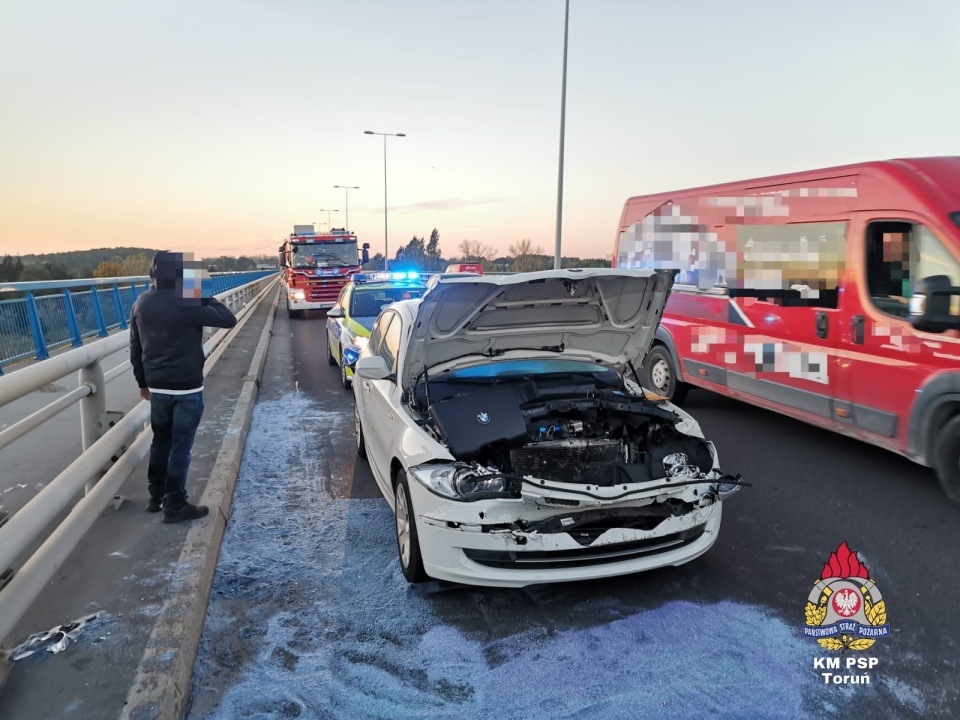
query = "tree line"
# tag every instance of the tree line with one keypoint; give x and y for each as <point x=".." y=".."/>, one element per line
<point x="522" y="256"/>
<point x="104" y="263"/>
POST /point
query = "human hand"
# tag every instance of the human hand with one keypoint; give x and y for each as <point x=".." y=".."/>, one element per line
<point x="145" y="393"/>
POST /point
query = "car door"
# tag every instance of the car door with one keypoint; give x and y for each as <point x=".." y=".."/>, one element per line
<point x="380" y="397"/>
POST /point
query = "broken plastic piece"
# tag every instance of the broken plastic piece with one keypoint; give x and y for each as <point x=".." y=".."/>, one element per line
<point x="54" y="640"/>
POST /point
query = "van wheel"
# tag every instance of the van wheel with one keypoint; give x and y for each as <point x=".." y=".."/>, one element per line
<point x="408" y="542"/>
<point x="661" y="375"/>
<point x="946" y="459"/>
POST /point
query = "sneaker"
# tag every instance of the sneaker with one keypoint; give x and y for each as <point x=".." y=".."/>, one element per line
<point x="184" y="513"/>
<point x="154" y="505"/>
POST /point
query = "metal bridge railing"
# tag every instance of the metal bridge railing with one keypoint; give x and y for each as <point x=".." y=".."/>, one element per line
<point x="53" y="315"/>
<point x="114" y="444"/>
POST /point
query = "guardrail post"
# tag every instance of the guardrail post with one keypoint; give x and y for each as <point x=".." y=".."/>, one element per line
<point x="72" y="322"/>
<point x="93" y="407"/>
<point x="121" y="315"/>
<point x="36" y="328"/>
<point x="98" y="311"/>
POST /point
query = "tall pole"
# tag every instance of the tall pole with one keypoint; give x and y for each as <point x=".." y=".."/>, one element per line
<point x="386" y="250"/>
<point x="386" y="247"/>
<point x="346" y="199"/>
<point x="329" y="229"/>
<point x="563" y="113"/>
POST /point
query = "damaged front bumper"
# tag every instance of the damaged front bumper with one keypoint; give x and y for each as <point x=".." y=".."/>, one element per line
<point x="553" y="534"/>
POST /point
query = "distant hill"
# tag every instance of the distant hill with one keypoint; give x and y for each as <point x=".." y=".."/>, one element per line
<point x="82" y="263"/>
<point x="105" y="262"/>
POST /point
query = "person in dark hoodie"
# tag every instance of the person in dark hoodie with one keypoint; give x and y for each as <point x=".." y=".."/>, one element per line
<point x="166" y="351"/>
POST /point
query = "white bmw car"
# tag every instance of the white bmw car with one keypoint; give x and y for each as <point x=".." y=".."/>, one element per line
<point x="504" y="422"/>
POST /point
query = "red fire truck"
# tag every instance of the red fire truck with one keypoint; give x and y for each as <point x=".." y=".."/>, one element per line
<point x="317" y="266"/>
<point x="832" y="296"/>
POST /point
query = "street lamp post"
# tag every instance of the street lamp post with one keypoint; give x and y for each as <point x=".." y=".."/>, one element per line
<point x="386" y="245"/>
<point x="563" y="112"/>
<point x="329" y="228"/>
<point x="346" y="199"/>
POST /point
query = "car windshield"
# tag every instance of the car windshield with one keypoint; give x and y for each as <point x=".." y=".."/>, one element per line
<point x="325" y="255"/>
<point x="368" y="302"/>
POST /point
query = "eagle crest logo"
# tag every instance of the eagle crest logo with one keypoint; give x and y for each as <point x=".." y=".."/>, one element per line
<point x="845" y="610"/>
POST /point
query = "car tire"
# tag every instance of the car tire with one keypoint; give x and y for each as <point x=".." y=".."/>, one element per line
<point x="661" y="376"/>
<point x="408" y="541"/>
<point x="331" y="360"/>
<point x="344" y="380"/>
<point x="946" y="459"/>
<point x="360" y="441"/>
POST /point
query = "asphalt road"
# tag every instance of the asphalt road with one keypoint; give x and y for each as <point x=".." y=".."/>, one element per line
<point x="310" y="616"/>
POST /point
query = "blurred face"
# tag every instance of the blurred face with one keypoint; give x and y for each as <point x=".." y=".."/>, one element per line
<point x="895" y="248"/>
<point x="197" y="283"/>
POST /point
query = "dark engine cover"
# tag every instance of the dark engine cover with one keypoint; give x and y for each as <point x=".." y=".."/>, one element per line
<point x="583" y="462"/>
<point x="470" y="422"/>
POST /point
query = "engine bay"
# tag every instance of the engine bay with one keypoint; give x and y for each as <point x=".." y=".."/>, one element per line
<point x="573" y="430"/>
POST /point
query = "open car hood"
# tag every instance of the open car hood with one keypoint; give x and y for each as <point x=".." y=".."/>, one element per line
<point x="602" y="315"/>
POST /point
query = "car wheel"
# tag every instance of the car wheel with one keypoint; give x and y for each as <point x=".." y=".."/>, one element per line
<point x="946" y="459"/>
<point x="343" y="372"/>
<point x="662" y="376"/>
<point x="358" y="433"/>
<point x="408" y="542"/>
<point x="331" y="360"/>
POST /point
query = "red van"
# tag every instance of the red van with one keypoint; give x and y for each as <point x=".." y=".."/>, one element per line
<point x="832" y="296"/>
<point x="465" y="268"/>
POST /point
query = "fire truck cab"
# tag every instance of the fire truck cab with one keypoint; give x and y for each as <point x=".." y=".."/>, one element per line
<point x="317" y="266"/>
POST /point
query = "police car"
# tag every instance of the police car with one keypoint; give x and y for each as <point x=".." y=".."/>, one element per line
<point x="349" y="321"/>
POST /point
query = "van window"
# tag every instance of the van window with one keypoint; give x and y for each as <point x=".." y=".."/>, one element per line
<point x="799" y="264"/>
<point x="899" y="254"/>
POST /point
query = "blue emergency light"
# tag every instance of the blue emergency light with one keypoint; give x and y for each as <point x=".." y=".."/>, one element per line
<point x="361" y="278"/>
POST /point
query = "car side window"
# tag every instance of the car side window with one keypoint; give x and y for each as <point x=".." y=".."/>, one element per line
<point x="343" y="299"/>
<point x="390" y="349"/>
<point x="898" y="255"/>
<point x="376" y="335"/>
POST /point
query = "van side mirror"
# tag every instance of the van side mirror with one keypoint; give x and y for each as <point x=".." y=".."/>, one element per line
<point x="930" y="305"/>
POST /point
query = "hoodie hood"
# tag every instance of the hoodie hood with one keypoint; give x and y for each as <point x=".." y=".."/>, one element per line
<point x="600" y="315"/>
<point x="166" y="270"/>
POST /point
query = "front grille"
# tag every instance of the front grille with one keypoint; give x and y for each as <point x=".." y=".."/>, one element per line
<point x="583" y="557"/>
<point x="324" y="290"/>
<point x="582" y="462"/>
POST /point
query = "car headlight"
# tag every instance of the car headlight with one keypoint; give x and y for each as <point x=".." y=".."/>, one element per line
<point x="464" y="483"/>
<point x="357" y="341"/>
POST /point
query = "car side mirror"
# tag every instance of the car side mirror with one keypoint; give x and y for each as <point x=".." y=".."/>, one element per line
<point x="931" y="302"/>
<point x="373" y="367"/>
<point x="335" y="312"/>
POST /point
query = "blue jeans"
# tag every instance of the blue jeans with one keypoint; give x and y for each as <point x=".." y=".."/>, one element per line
<point x="175" y="419"/>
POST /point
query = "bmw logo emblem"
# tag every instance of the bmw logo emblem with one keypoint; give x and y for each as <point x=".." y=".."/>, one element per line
<point x="483" y="418"/>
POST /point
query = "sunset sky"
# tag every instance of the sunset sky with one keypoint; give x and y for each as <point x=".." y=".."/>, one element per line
<point x="214" y="126"/>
